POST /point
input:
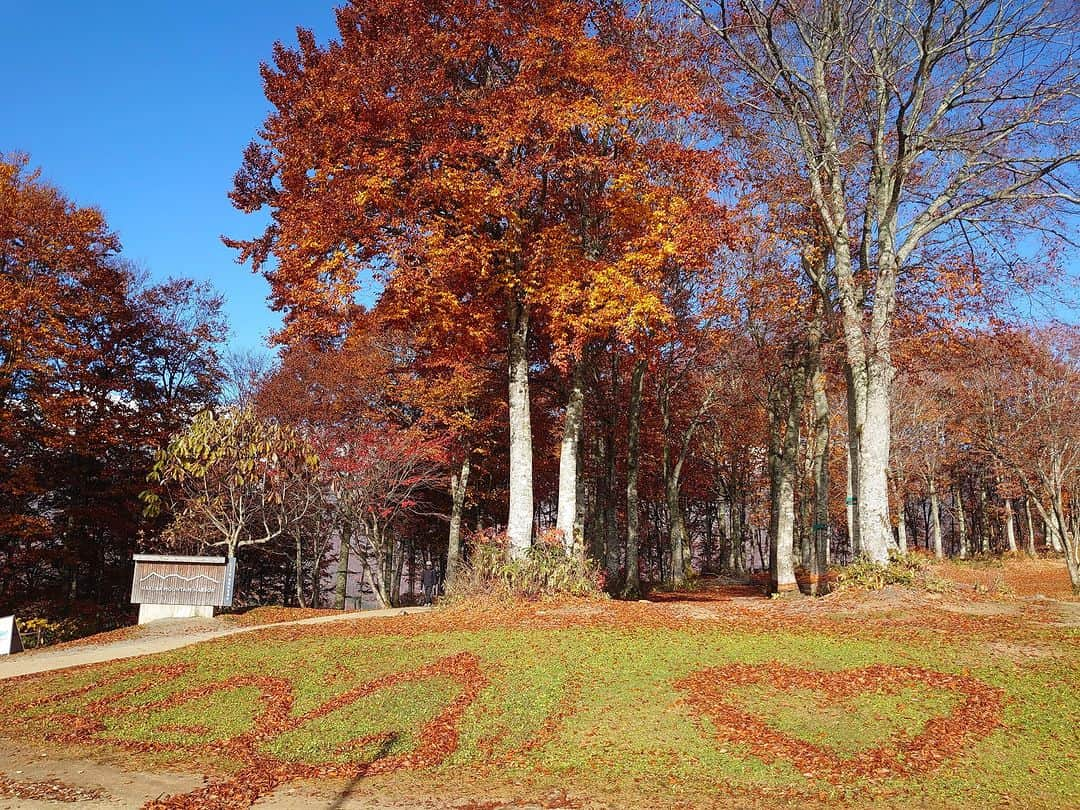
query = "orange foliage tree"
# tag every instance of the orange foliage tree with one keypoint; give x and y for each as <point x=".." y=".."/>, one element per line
<point x="95" y="368"/>
<point x="499" y="174"/>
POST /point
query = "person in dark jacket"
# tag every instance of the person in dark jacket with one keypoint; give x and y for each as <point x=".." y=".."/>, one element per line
<point x="430" y="580"/>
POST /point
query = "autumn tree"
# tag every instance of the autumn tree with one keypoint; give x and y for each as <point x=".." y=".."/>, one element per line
<point x="379" y="463"/>
<point x="496" y="169"/>
<point x="912" y="126"/>
<point x="97" y="366"/>
<point x="233" y="480"/>
<point x="1026" y="389"/>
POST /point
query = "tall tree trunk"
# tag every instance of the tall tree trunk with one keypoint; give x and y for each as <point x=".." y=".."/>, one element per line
<point x="613" y="543"/>
<point x="784" y="463"/>
<point x="519" y="521"/>
<point x="398" y="568"/>
<point x="679" y="561"/>
<point x="613" y="547"/>
<point x="723" y="535"/>
<point x="1030" y="527"/>
<point x="579" y="512"/>
<point x="341" y="582"/>
<point x="1070" y="543"/>
<point x="568" y="460"/>
<point x="676" y="527"/>
<point x="1053" y="537"/>
<point x="300" y="572"/>
<point x="1010" y="527"/>
<point x="819" y="530"/>
<point x="459" y="483"/>
<point x="935" y="517"/>
<point x="632" y="587"/>
<point x="984" y="521"/>
<point x="852" y="465"/>
<point x="961" y="527"/>
<point x="872" y="499"/>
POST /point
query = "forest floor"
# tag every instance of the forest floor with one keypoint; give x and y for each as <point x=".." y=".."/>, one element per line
<point x="718" y="697"/>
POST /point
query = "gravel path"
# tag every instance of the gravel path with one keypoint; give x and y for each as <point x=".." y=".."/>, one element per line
<point x="173" y="635"/>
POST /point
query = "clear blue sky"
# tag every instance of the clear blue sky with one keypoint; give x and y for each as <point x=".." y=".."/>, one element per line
<point x="143" y="109"/>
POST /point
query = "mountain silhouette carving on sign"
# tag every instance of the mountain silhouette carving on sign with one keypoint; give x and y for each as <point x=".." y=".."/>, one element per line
<point x="181" y="577"/>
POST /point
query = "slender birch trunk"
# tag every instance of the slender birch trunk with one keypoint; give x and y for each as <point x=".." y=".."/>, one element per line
<point x="819" y="530"/>
<point x="1053" y="539"/>
<point x="1030" y="527"/>
<point x="935" y="518"/>
<point x="679" y="561"/>
<point x="568" y="460"/>
<point x="459" y="483"/>
<point x="851" y="459"/>
<point x="632" y="587"/>
<point x="961" y="527"/>
<point x="984" y="522"/>
<point x="519" y="521"/>
<point x="784" y="470"/>
<point x="300" y="572"/>
<point x="1010" y="527"/>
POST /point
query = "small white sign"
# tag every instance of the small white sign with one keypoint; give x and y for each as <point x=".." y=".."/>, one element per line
<point x="10" y="642"/>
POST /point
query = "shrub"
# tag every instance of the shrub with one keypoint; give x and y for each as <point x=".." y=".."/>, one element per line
<point x="546" y="570"/>
<point x="906" y="570"/>
<point x="40" y="632"/>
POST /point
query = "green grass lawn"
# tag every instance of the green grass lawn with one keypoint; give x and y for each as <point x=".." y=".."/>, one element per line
<point x="602" y="706"/>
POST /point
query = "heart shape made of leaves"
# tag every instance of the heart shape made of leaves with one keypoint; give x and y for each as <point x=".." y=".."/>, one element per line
<point x="942" y="738"/>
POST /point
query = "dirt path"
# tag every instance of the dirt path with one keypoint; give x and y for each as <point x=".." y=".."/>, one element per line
<point x="178" y="633"/>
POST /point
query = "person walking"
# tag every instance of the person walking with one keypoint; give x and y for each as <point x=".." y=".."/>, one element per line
<point x="429" y="580"/>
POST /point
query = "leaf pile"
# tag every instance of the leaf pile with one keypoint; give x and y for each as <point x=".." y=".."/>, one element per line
<point x="48" y="790"/>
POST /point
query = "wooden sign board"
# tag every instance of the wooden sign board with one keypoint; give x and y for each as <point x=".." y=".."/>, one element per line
<point x="10" y="641"/>
<point x="173" y="580"/>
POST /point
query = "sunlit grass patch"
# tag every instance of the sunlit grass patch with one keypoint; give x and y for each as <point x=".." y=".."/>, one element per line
<point x="844" y="726"/>
<point x="217" y="716"/>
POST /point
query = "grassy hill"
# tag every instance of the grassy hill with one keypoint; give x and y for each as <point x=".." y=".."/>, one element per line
<point x="891" y="699"/>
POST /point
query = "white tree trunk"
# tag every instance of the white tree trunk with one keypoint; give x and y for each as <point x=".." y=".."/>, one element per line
<point x="820" y="526"/>
<point x="854" y="427"/>
<point x="782" y="562"/>
<point x="1030" y="527"/>
<point x="961" y="527"/>
<point x="872" y="500"/>
<point x="568" y="461"/>
<point x="935" y="519"/>
<point x="519" y="522"/>
<point x="1010" y="528"/>
<point x="784" y="469"/>
<point x="459" y="483"/>
<point x="1053" y="537"/>
<point x="849" y="501"/>
<point x="984" y="522"/>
